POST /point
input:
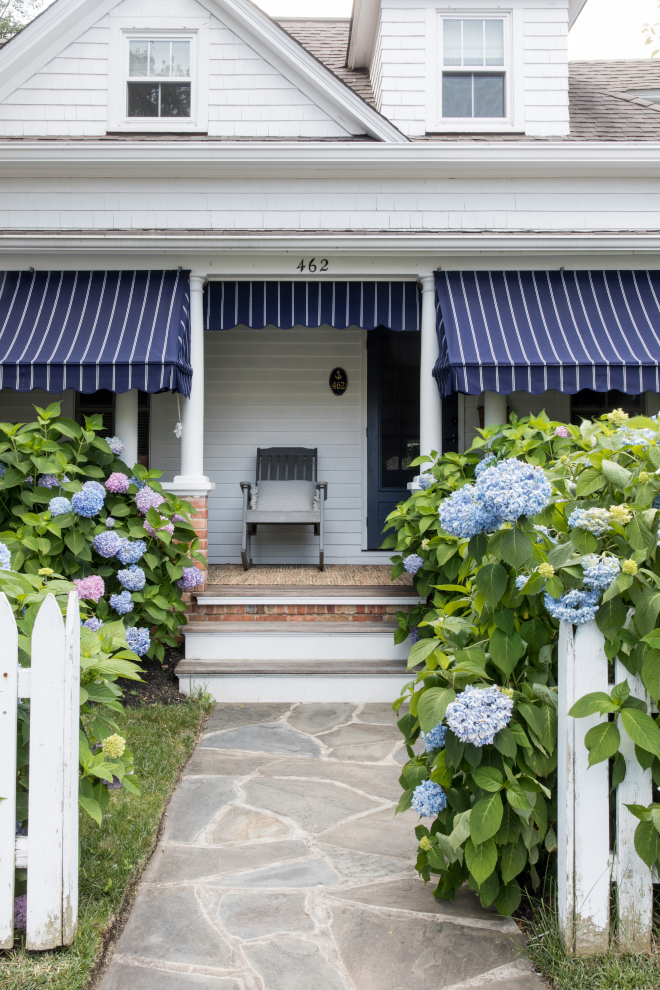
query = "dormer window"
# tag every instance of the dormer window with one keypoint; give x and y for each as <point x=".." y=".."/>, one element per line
<point x="473" y="68"/>
<point x="159" y="78"/>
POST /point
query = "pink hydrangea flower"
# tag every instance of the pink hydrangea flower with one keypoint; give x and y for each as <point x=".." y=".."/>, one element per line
<point x="177" y="518"/>
<point x="147" y="499"/>
<point x="561" y="431"/>
<point x="169" y="528"/>
<point x="117" y="483"/>
<point x="92" y="587"/>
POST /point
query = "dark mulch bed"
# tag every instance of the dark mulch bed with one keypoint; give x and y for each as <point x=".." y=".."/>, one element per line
<point x="160" y="685"/>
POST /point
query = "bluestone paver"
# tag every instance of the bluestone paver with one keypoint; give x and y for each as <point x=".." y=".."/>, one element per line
<point x="283" y="867"/>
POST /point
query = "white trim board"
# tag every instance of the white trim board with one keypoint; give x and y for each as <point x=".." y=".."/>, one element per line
<point x="254" y="688"/>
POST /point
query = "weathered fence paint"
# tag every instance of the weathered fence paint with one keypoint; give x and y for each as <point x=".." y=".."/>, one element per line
<point x="50" y="851"/>
<point x="586" y="865"/>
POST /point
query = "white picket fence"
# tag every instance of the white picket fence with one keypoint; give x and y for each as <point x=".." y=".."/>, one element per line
<point x="50" y="850"/>
<point x="586" y="864"/>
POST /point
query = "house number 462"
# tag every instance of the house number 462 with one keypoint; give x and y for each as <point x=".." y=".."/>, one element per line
<point x="314" y="265"/>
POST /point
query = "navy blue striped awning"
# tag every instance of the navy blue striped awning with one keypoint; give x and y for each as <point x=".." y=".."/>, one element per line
<point x="94" y="330"/>
<point x="312" y="304"/>
<point x="533" y="331"/>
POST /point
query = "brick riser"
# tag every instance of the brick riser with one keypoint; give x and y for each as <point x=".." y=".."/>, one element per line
<point x="294" y="613"/>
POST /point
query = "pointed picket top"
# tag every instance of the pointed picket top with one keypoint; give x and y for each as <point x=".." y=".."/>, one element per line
<point x="8" y="702"/>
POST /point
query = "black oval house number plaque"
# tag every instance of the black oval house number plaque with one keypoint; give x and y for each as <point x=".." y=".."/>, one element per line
<point x="338" y="381"/>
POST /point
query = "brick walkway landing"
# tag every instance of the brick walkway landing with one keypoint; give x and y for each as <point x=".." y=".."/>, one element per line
<point x="283" y="868"/>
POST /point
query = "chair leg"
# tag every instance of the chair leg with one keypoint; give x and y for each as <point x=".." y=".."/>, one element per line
<point x="245" y="548"/>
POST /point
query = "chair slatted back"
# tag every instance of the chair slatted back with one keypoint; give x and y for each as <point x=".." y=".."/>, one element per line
<point x="286" y="464"/>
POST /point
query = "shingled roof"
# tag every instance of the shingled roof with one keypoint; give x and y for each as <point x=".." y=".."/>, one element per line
<point x="602" y="103"/>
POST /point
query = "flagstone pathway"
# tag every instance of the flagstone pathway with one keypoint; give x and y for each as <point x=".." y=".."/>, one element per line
<point x="282" y="867"/>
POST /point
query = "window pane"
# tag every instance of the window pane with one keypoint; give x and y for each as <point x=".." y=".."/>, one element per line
<point x="488" y="95"/>
<point x="143" y="99"/>
<point x="175" y="100"/>
<point x="456" y="95"/>
<point x="160" y="58"/>
<point x="451" y="42"/>
<point x="181" y="58"/>
<point x="473" y="42"/>
<point x="137" y="58"/>
<point x="494" y="42"/>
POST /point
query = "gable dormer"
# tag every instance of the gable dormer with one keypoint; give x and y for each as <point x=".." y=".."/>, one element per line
<point x="467" y="66"/>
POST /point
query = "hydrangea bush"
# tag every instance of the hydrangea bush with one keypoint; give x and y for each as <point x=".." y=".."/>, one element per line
<point x="538" y="523"/>
<point x="129" y="547"/>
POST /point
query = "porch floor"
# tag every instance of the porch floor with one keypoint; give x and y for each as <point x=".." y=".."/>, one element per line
<point x="351" y="575"/>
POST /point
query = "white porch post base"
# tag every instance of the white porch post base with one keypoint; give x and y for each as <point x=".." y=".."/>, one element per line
<point x="494" y="409"/>
<point x="126" y="424"/>
<point x="430" y="403"/>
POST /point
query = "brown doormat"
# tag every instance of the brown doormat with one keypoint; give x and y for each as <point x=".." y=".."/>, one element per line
<point x="352" y="575"/>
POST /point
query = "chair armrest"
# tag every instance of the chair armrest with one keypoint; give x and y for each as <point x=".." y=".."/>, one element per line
<point x="323" y="485"/>
<point x="245" y="485"/>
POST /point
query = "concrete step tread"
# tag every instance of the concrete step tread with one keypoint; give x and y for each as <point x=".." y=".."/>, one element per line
<point x="330" y="591"/>
<point x="289" y="628"/>
<point x="277" y="668"/>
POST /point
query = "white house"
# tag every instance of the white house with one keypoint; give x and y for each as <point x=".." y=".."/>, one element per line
<point x="207" y="214"/>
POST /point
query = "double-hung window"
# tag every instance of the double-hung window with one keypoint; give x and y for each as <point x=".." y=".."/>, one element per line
<point x="473" y="68"/>
<point x="159" y="78"/>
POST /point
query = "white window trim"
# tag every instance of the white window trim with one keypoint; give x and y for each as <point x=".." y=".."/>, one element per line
<point x="123" y="30"/>
<point x="513" y="70"/>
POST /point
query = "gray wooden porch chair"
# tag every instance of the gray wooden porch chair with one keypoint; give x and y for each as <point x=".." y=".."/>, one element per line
<point x="285" y="493"/>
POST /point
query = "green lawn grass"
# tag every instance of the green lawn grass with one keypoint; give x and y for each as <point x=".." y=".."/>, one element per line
<point x="114" y="855"/>
<point x="614" y="971"/>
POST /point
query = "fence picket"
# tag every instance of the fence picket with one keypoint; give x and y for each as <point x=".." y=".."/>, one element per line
<point x="71" y="744"/>
<point x="566" y="785"/>
<point x="8" y="701"/>
<point x="634" y="880"/>
<point x="44" y="883"/>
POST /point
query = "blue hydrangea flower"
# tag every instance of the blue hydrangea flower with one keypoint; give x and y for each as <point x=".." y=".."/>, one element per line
<point x="133" y="579"/>
<point x="5" y="557"/>
<point x="110" y="522"/>
<point x="29" y="480"/>
<point x="596" y="521"/>
<point x="59" y="505"/>
<point x="414" y="635"/>
<point x="138" y="640"/>
<point x="425" y="481"/>
<point x="115" y="445"/>
<point x="435" y="739"/>
<point x="521" y="581"/>
<point x="599" y="572"/>
<point x="135" y="481"/>
<point x="107" y="544"/>
<point x="122" y="603"/>
<point x="48" y="481"/>
<point x="130" y="553"/>
<point x="478" y="715"/>
<point x="544" y="531"/>
<point x="656" y="502"/>
<point x="429" y="799"/>
<point x="576" y="607"/>
<point x="2" y="470"/>
<point x="94" y="486"/>
<point x="513" y="488"/>
<point x="94" y="624"/>
<point x="488" y="461"/>
<point x="412" y="563"/>
<point x="87" y="503"/>
<point x="464" y="515"/>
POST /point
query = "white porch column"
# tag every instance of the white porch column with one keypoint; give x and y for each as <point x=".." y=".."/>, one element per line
<point x="494" y="409"/>
<point x="430" y="403"/>
<point x="192" y="477"/>
<point x="126" y="424"/>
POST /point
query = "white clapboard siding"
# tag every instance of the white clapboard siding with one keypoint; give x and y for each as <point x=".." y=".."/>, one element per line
<point x="268" y="388"/>
<point x="8" y="699"/>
